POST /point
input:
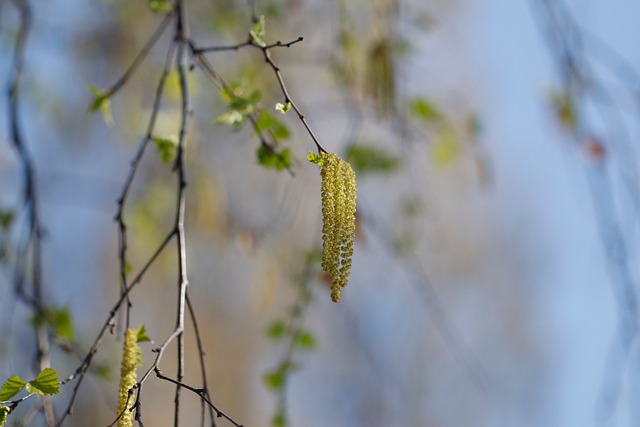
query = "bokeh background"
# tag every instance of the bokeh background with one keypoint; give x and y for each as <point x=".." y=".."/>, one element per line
<point x="495" y="272"/>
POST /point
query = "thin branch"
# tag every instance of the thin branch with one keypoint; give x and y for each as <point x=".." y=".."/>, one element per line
<point x="122" y="227"/>
<point x="287" y="98"/>
<point x="221" y="48"/>
<point x="201" y="354"/>
<point x="199" y="392"/>
<point x="141" y="55"/>
<point x="182" y="38"/>
<point x="248" y="43"/>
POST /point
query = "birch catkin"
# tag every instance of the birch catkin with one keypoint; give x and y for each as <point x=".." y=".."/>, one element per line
<point x="338" y="220"/>
<point x="130" y="360"/>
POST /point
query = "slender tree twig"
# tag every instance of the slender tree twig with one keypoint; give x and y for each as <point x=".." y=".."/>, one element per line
<point x="201" y="354"/>
<point x="199" y="392"/>
<point x="122" y="227"/>
<point x="141" y="55"/>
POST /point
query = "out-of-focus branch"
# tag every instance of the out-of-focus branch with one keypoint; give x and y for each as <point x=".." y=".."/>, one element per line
<point x="574" y="49"/>
<point x="29" y="257"/>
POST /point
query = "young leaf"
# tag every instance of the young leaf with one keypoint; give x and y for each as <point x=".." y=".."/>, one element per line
<point x="266" y="122"/>
<point x="101" y="102"/>
<point x="6" y="218"/>
<point x="425" y="110"/>
<point x="271" y="159"/>
<point x="128" y="268"/>
<point x="11" y="387"/>
<point x="160" y="6"/>
<point x="4" y="411"/>
<point x="565" y="109"/>
<point x="279" y="419"/>
<point x="274" y="380"/>
<point x="283" y="108"/>
<point x="257" y="32"/>
<point x="167" y="147"/>
<point x="232" y="117"/>
<point x="142" y="335"/>
<point x="61" y="323"/>
<point x="46" y="383"/>
<point x="315" y="158"/>
<point x="370" y="159"/>
<point x="445" y="149"/>
<point x="276" y="330"/>
<point x="103" y="370"/>
<point x="244" y="104"/>
<point x="306" y="341"/>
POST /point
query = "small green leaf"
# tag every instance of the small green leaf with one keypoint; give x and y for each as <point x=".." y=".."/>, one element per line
<point x="315" y="158"/>
<point x="405" y="244"/>
<point x="4" y="411"/>
<point x="276" y="330"/>
<point x="445" y="148"/>
<point x="6" y="218"/>
<point x="564" y="104"/>
<point x="11" y="387"/>
<point x="426" y="110"/>
<point x="232" y="117"/>
<point x="314" y="255"/>
<point x="306" y="341"/>
<point x="167" y="147"/>
<point x="257" y="32"/>
<point x="274" y="380"/>
<point x="101" y="102"/>
<point x="61" y="323"/>
<point x="266" y="122"/>
<point x="103" y="370"/>
<point x="271" y="159"/>
<point x="128" y="268"/>
<point x="371" y="159"/>
<point x="46" y="383"/>
<point x="283" y="108"/>
<point x="160" y="6"/>
<point x="142" y="335"/>
<point x="244" y="104"/>
<point x="279" y="419"/>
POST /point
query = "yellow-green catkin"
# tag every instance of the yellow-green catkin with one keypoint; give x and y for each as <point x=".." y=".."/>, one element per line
<point x="338" y="220"/>
<point x="131" y="356"/>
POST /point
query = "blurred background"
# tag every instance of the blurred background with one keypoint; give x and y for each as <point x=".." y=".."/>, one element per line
<point x="495" y="273"/>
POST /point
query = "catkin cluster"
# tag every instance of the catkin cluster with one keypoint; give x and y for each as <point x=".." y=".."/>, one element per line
<point x="338" y="220"/>
<point x="130" y="360"/>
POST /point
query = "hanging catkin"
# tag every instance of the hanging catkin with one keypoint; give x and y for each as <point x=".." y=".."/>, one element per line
<point x="338" y="219"/>
<point x="131" y="358"/>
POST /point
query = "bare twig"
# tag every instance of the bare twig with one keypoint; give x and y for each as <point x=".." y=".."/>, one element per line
<point x="141" y="55"/>
<point x="199" y="392"/>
